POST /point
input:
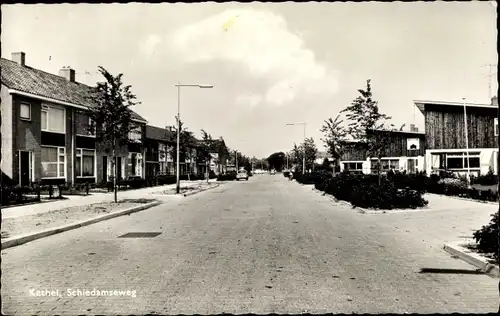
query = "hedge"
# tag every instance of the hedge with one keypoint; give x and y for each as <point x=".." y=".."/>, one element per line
<point x="230" y="176"/>
<point x="364" y="191"/>
<point x="313" y="177"/>
<point x="487" y="237"/>
<point x="15" y="194"/>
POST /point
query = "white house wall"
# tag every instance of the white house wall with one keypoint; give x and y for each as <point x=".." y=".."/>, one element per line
<point x="487" y="158"/>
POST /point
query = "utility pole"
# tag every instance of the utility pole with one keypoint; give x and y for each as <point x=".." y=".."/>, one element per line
<point x="466" y="143"/>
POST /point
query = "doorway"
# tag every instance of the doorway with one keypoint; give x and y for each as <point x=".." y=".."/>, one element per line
<point x="411" y="165"/>
<point x="105" y="168"/>
<point x="25" y="168"/>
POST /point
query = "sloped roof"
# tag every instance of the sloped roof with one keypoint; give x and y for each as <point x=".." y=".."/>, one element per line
<point x="44" y="84"/>
<point x="399" y="132"/>
<point x="158" y="133"/>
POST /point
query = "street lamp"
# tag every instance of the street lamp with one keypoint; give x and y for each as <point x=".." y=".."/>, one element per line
<point x="304" y="157"/>
<point x="466" y="143"/>
<point x="178" y="85"/>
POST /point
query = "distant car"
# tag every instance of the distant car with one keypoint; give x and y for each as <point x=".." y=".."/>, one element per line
<point x="242" y="174"/>
<point x="273" y="171"/>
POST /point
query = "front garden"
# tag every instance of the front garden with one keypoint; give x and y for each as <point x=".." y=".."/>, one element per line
<point x="405" y="191"/>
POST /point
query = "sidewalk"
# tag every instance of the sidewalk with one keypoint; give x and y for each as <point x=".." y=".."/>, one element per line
<point x="23" y="210"/>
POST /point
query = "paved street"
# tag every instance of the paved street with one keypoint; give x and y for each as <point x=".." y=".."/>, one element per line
<point x="267" y="245"/>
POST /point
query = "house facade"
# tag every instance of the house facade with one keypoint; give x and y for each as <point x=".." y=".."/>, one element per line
<point x="405" y="151"/>
<point x="445" y="141"/>
<point x="159" y="143"/>
<point x="354" y="157"/>
<point x="45" y="135"/>
<point x="158" y="151"/>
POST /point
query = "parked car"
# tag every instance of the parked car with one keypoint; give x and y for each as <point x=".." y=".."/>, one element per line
<point x="242" y="174"/>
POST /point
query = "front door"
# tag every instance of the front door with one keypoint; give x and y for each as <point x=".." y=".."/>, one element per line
<point x="105" y="168"/>
<point x="411" y="165"/>
<point x="25" y="168"/>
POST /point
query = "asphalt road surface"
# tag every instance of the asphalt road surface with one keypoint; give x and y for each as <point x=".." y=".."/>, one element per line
<point x="267" y="245"/>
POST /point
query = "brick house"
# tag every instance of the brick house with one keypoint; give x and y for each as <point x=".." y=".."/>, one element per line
<point x="44" y="129"/>
<point x="220" y="156"/>
<point x="158" y="143"/>
<point x="158" y="158"/>
<point x="445" y="136"/>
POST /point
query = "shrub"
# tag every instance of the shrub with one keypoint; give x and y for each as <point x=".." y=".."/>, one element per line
<point x="487" y="237"/>
<point x="313" y="177"/>
<point x="488" y="179"/>
<point x="286" y="174"/>
<point x="453" y="186"/>
<point x="136" y="182"/>
<point x="364" y="191"/>
<point x="230" y="176"/>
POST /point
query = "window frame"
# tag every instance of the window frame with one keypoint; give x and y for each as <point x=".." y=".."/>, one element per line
<point x="46" y="108"/>
<point x="79" y="154"/>
<point x="356" y="163"/>
<point x="90" y="122"/>
<point x="463" y="156"/>
<point x="137" y="132"/>
<point x="20" y="111"/>
<point x="58" y="163"/>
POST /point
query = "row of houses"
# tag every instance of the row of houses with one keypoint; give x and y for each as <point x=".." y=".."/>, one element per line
<point x="442" y="146"/>
<point x="45" y="136"/>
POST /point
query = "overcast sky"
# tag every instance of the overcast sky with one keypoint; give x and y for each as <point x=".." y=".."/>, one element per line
<point x="271" y="64"/>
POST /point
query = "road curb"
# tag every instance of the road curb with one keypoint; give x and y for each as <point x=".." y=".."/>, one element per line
<point x="198" y="191"/>
<point x="472" y="258"/>
<point x="463" y="199"/>
<point x="19" y="240"/>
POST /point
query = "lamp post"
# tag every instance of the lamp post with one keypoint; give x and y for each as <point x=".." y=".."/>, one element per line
<point x="304" y="157"/>
<point x="466" y="143"/>
<point x="178" y="85"/>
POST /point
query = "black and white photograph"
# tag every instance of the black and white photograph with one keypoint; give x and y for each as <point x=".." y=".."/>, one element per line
<point x="249" y="158"/>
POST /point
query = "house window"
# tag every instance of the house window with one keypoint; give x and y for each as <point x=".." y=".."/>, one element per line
<point x="83" y="124"/>
<point x="25" y="111"/>
<point x="135" y="134"/>
<point x="458" y="161"/>
<point x="135" y="164"/>
<point x="394" y="164"/>
<point x="85" y="163"/>
<point x="53" y="162"/>
<point x="353" y="166"/>
<point x="53" y="119"/>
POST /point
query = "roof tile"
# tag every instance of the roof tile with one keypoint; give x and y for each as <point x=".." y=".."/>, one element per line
<point x="44" y="84"/>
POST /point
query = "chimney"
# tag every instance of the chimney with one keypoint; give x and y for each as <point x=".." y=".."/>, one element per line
<point x="494" y="101"/>
<point x="67" y="73"/>
<point x="413" y="128"/>
<point x="19" y="57"/>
